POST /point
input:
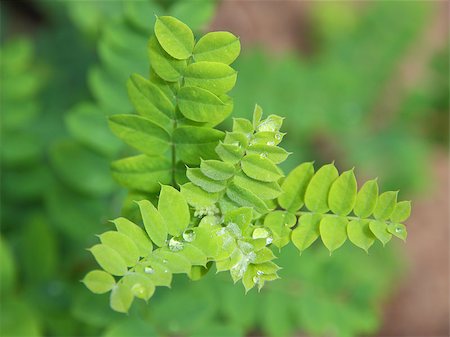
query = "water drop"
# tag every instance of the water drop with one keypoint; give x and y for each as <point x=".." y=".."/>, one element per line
<point x="175" y="245"/>
<point x="149" y="270"/>
<point x="263" y="155"/>
<point x="255" y="279"/>
<point x="236" y="144"/>
<point x="245" y="247"/>
<point x="166" y="270"/>
<point x="271" y="143"/>
<point x="269" y="240"/>
<point x="278" y="136"/>
<point x="234" y="230"/>
<point x="398" y="229"/>
<point x="138" y="289"/>
<point x="259" y="272"/>
<point x="189" y="235"/>
<point x="260" y="233"/>
<point x="165" y="261"/>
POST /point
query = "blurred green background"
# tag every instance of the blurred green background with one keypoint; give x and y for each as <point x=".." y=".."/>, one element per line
<point x="363" y="83"/>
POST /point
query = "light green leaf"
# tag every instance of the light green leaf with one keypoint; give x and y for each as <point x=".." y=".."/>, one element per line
<point x="307" y="231"/>
<point x="209" y="185"/>
<point x="157" y="272"/>
<point x="193" y="254"/>
<point x="206" y="241"/>
<point x="140" y="133"/>
<point x="401" y="212"/>
<point x="165" y="66"/>
<point x="141" y="285"/>
<point x="398" y="230"/>
<point x="193" y="143"/>
<point x="316" y="195"/>
<point x="385" y="205"/>
<point x="176" y="262"/>
<point x="150" y="102"/>
<point x="236" y="138"/>
<point x="241" y="216"/>
<point x="366" y="199"/>
<point x="109" y="259"/>
<point x="154" y="223"/>
<point x="264" y="255"/>
<point x="121" y="298"/>
<point x="272" y="124"/>
<point x="342" y="195"/>
<point x="359" y="234"/>
<point x="197" y="197"/>
<point x="333" y="231"/>
<point x="217" y="47"/>
<point x="260" y="168"/>
<point x="174" y="36"/>
<point x="280" y="224"/>
<point x="230" y="153"/>
<point x="264" y="190"/>
<point x="294" y="187"/>
<point x="216" y="77"/>
<point x="201" y="105"/>
<point x="142" y="173"/>
<point x="216" y="169"/>
<point x="99" y="281"/>
<point x="136" y="234"/>
<point x="257" y="115"/>
<point x="380" y="230"/>
<point x="242" y="125"/>
<point x="246" y="198"/>
<point x="174" y="209"/>
<point x="274" y="153"/>
<point x="123" y="245"/>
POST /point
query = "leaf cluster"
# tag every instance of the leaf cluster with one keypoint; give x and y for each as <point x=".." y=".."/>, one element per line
<point x="233" y="204"/>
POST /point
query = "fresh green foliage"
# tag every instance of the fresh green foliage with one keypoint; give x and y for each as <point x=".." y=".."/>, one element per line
<point x="230" y="209"/>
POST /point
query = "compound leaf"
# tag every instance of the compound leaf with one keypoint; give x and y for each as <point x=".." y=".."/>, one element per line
<point x="217" y="47"/>
<point x="99" y="281"/>
<point x="136" y="234"/>
<point x="216" y="77"/>
<point x="174" y="36"/>
<point x="385" y="205"/>
<point x="307" y="231"/>
<point x="165" y="66"/>
<point x="343" y="193"/>
<point x="216" y="169"/>
<point x="294" y="187"/>
<point x="209" y="185"/>
<point x="333" y="231"/>
<point x="121" y="298"/>
<point x="402" y="211"/>
<point x="359" y="234"/>
<point x="260" y="168"/>
<point x="123" y="245"/>
<point x="154" y="223"/>
<point x="109" y="259"/>
<point x="380" y="230"/>
<point x="366" y="199"/>
<point x="174" y="210"/>
<point x="316" y="195"/>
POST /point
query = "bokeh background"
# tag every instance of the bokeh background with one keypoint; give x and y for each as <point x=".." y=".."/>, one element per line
<point x="364" y="83"/>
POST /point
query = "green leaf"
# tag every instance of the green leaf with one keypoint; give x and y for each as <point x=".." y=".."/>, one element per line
<point x="140" y="285"/>
<point x="272" y="124"/>
<point x="307" y="231"/>
<point x="342" y="195"/>
<point x="385" y="205"/>
<point x="201" y="105"/>
<point x="217" y="47"/>
<point x="206" y="241"/>
<point x="176" y="262"/>
<point x="154" y="223"/>
<point x="380" y="230"/>
<point x="359" y="234"/>
<point x="274" y="153"/>
<point x="366" y="199"/>
<point x="88" y="125"/>
<point x="109" y="259"/>
<point x="209" y="185"/>
<point x="142" y="173"/>
<point x="243" y="125"/>
<point x="260" y="168"/>
<point x="174" y="210"/>
<point x="197" y="197"/>
<point x="257" y="115"/>
<point x="121" y="298"/>
<point x="150" y="102"/>
<point x="216" y="77"/>
<point x="402" y="211"/>
<point x="246" y="198"/>
<point x="165" y="66"/>
<point x="294" y="187"/>
<point x="193" y="254"/>
<point x="123" y="245"/>
<point x="264" y="190"/>
<point x="216" y="169"/>
<point x="398" y="230"/>
<point x="140" y="133"/>
<point x="264" y="255"/>
<point x="241" y="216"/>
<point x="99" y="281"/>
<point x="280" y="224"/>
<point x="157" y="272"/>
<point x="136" y="234"/>
<point x="270" y="138"/>
<point x="230" y="153"/>
<point x="174" y="36"/>
<point x="316" y="195"/>
<point x="333" y="231"/>
<point x="193" y="143"/>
